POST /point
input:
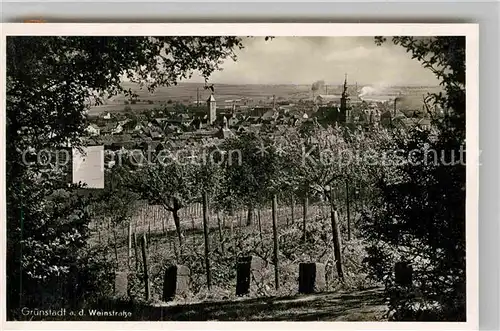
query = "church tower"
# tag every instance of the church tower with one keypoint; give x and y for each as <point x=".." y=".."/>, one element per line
<point x="344" y="112"/>
<point x="212" y="109"/>
<point x="344" y="115"/>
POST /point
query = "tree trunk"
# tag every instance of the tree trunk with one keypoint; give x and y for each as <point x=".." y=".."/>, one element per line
<point x="231" y="230"/>
<point x="305" y="207"/>
<point x="109" y="233"/>
<point x="149" y="222"/>
<point x="136" y="252"/>
<point x="260" y="225"/>
<point x="337" y="240"/>
<point x="221" y="237"/>
<point x="145" y="263"/>
<point x="163" y="225"/>
<point x="155" y="216"/>
<point x="129" y="243"/>
<point x="115" y="246"/>
<point x="193" y="228"/>
<point x="99" y="232"/>
<point x="177" y="222"/>
<point x="250" y="215"/>
<point x="348" y="210"/>
<point x="275" y="239"/>
<point x="205" y="235"/>
<point x="136" y="221"/>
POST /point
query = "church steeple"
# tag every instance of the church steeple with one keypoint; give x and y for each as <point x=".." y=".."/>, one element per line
<point x="212" y="109"/>
<point x="343" y="103"/>
<point x="344" y="92"/>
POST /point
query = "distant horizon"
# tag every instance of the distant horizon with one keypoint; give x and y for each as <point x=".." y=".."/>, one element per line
<point x="185" y="82"/>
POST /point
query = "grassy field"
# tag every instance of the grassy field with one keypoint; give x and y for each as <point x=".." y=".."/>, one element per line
<point x="187" y="92"/>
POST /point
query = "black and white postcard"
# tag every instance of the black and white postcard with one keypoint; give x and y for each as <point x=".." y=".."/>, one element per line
<point x="240" y="172"/>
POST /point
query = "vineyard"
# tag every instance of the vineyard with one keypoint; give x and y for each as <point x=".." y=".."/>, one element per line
<point x="230" y="237"/>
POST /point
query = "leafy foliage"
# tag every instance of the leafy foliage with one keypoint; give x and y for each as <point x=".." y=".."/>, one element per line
<point x="50" y="83"/>
<point x="421" y="217"/>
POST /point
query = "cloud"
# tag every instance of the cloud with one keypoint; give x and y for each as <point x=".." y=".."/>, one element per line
<point x="304" y="60"/>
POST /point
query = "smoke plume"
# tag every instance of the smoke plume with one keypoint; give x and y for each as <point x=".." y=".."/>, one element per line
<point x="369" y="90"/>
<point x="318" y="85"/>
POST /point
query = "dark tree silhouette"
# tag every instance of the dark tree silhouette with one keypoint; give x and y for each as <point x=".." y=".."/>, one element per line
<point x="421" y="216"/>
<point x="50" y="83"/>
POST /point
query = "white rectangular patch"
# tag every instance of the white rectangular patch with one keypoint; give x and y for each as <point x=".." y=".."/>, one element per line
<point x="88" y="167"/>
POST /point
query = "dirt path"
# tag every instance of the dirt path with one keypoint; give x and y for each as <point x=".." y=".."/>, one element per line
<point x="367" y="305"/>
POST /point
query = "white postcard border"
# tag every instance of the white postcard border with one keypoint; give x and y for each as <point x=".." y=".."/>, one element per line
<point x="471" y="31"/>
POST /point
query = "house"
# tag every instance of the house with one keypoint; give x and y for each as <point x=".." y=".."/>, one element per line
<point x="232" y="121"/>
<point x="252" y="120"/>
<point x="269" y="115"/>
<point x="156" y="135"/>
<point x="294" y="121"/>
<point x="224" y="133"/>
<point x="126" y="144"/>
<point x="420" y="123"/>
<point x="187" y="124"/>
<point x="242" y="129"/>
<point x="128" y="125"/>
<point x="171" y="128"/>
<point x="93" y="130"/>
<point x="161" y="120"/>
<point x="328" y="113"/>
<point x="138" y="127"/>
<point x="259" y="111"/>
<point x="155" y="132"/>
<point x="424" y="123"/>
<point x="124" y="122"/>
<point x="224" y="119"/>
<point x="196" y="124"/>
<point x="146" y="130"/>
<point x="118" y="129"/>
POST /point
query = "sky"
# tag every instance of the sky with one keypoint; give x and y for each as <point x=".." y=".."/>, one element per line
<point x="304" y="60"/>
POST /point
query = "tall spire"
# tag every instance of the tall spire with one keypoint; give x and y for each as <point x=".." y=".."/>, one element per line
<point x="344" y="92"/>
<point x="343" y="103"/>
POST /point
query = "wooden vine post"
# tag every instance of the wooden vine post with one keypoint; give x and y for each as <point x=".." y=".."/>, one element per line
<point x="337" y="243"/>
<point x="205" y="235"/>
<point x="348" y="209"/>
<point x="146" y="270"/>
<point x="275" y="239"/>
